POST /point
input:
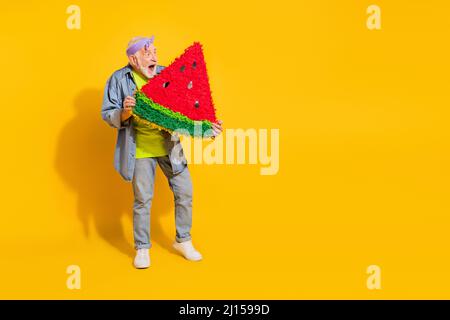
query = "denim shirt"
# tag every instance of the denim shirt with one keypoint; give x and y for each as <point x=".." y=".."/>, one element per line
<point x="118" y="86"/>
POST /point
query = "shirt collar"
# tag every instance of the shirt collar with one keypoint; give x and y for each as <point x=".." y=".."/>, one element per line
<point x="128" y="68"/>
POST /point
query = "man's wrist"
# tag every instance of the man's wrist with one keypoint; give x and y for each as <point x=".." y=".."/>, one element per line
<point x="124" y="117"/>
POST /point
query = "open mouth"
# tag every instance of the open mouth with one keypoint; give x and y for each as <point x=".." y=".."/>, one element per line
<point x="151" y="68"/>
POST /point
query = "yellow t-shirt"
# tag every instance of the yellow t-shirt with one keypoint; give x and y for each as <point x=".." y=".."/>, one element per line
<point x="149" y="141"/>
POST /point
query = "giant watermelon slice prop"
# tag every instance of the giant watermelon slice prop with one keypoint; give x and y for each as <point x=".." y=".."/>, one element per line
<point x="179" y="97"/>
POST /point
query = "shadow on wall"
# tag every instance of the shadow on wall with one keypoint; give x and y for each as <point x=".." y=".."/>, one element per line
<point x="84" y="161"/>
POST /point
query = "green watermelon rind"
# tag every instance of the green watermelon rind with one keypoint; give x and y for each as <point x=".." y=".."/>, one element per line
<point x="163" y="117"/>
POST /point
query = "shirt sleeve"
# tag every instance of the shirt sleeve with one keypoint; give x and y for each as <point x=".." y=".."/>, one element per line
<point x="112" y="105"/>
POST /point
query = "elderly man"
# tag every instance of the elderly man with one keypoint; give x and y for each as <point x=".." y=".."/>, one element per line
<point x="139" y="148"/>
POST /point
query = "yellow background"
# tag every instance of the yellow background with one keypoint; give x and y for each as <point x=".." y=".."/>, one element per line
<point x="364" y="151"/>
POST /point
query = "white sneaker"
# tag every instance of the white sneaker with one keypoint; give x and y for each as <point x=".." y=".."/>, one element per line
<point x="187" y="250"/>
<point x="142" y="259"/>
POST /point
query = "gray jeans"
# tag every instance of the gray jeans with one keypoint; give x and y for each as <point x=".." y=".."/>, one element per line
<point x="143" y="182"/>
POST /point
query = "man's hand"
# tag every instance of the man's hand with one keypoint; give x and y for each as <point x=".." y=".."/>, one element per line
<point x="217" y="128"/>
<point x="128" y="104"/>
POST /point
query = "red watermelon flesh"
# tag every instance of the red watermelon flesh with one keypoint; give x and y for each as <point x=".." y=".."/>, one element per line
<point x="183" y="86"/>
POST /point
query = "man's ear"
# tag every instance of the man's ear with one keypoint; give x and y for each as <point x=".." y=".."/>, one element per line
<point x="132" y="60"/>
